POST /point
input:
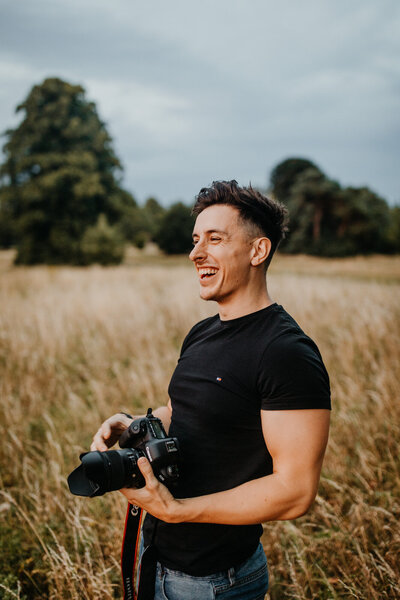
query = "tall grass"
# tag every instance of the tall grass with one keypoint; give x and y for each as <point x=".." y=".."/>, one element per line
<point x="77" y="345"/>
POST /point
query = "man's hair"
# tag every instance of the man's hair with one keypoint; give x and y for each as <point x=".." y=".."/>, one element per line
<point x="262" y="216"/>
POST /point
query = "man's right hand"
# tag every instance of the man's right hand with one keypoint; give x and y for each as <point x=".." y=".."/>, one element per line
<point x="109" y="432"/>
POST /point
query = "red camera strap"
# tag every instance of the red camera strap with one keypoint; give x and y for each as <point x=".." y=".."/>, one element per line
<point x="129" y="554"/>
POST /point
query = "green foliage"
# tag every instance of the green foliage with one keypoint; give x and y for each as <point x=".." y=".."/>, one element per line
<point x="102" y="244"/>
<point x="362" y="221"/>
<point x="393" y="230"/>
<point x="285" y="173"/>
<point x="21" y="562"/>
<point x="60" y="173"/>
<point x="140" y="224"/>
<point x="7" y="224"/>
<point x="132" y="226"/>
<point x="174" y="235"/>
<point x="10" y="588"/>
<point x="310" y="201"/>
<point x="328" y="220"/>
<point x="153" y="214"/>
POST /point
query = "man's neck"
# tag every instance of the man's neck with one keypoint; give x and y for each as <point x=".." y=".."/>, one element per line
<point x="240" y="307"/>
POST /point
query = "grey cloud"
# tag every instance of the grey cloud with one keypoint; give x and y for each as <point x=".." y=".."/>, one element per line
<point x="221" y="89"/>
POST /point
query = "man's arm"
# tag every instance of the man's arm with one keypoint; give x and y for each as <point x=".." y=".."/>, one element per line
<point x="164" y="413"/>
<point x="296" y="440"/>
<point x="110" y="431"/>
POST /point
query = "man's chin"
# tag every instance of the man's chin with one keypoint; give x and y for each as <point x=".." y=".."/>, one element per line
<point x="206" y="294"/>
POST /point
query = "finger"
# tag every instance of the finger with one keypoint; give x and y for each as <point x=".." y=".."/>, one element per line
<point x="105" y="430"/>
<point x="98" y="446"/>
<point x="98" y="442"/>
<point x="147" y="472"/>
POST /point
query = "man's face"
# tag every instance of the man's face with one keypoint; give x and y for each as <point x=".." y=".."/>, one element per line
<point x="221" y="253"/>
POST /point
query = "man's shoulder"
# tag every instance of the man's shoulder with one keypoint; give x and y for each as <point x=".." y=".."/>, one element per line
<point x="277" y="326"/>
<point x="291" y="372"/>
<point x="280" y="337"/>
<point x="287" y="330"/>
<point x="199" y="328"/>
<point x="204" y="324"/>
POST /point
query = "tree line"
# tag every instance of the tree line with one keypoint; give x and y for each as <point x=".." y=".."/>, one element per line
<point x="329" y="220"/>
<point x="62" y="200"/>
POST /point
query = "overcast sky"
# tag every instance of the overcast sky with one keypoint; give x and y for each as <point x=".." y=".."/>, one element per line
<point x="220" y="89"/>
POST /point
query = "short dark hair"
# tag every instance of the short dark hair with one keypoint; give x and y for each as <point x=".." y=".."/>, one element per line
<point x="265" y="216"/>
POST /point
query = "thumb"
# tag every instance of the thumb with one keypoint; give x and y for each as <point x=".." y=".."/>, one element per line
<point x="147" y="471"/>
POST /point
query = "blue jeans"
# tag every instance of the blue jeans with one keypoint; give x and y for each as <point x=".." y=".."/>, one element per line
<point x="248" y="581"/>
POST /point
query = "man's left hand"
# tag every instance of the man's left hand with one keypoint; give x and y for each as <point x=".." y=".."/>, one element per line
<point x="155" y="497"/>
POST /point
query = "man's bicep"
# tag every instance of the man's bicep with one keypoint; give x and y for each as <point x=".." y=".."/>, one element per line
<point x="164" y="413"/>
<point x="296" y="440"/>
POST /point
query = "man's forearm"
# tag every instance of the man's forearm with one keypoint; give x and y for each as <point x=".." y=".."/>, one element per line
<point x="266" y="499"/>
<point x="296" y="441"/>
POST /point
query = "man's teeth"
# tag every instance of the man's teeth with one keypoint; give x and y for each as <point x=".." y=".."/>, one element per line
<point x="203" y="272"/>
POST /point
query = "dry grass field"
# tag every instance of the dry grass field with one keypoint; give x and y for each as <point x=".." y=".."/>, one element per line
<point x="77" y="345"/>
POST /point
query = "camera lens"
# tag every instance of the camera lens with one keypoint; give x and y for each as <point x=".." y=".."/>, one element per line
<point x="102" y="472"/>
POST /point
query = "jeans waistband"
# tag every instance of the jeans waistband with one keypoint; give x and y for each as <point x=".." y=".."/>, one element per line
<point x="230" y="573"/>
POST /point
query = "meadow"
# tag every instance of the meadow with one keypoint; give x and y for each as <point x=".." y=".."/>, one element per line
<point x="77" y="345"/>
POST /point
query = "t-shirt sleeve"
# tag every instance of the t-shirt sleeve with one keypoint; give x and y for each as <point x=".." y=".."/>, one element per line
<point x="292" y="375"/>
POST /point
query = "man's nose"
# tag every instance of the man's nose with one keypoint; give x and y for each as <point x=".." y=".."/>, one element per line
<point x="198" y="251"/>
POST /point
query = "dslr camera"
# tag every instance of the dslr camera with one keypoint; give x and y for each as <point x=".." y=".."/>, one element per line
<point x="102" y="472"/>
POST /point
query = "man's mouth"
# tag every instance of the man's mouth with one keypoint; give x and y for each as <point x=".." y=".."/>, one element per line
<point x="206" y="273"/>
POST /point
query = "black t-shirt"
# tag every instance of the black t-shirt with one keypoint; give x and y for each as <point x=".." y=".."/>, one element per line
<point x="229" y="371"/>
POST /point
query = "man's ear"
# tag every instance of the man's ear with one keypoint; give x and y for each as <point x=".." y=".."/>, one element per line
<point x="260" y="251"/>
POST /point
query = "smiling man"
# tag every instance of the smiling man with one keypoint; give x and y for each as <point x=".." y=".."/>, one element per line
<point x="249" y="403"/>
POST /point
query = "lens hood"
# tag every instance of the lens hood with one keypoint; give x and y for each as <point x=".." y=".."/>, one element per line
<point x="80" y="485"/>
<point x="100" y="472"/>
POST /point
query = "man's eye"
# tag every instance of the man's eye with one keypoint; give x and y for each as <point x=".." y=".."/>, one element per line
<point x="215" y="239"/>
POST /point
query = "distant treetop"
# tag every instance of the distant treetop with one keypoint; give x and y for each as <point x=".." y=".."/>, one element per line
<point x="60" y="173"/>
<point x="328" y="220"/>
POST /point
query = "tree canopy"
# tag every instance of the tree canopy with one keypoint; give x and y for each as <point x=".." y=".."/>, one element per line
<point x="174" y="235"/>
<point x="61" y="200"/>
<point x="285" y="173"/>
<point x="328" y="220"/>
<point x="60" y="173"/>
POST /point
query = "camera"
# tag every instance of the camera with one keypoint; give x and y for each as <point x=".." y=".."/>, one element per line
<point x="102" y="472"/>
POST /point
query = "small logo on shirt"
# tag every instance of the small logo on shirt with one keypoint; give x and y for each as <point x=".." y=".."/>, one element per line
<point x="219" y="378"/>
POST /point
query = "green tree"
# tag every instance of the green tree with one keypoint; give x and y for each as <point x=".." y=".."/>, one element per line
<point x="393" y="231"/>
<point x="7" y="225"/>
<point x="60" y="173"/>
<point x="284" y="175"/>
<point x="363" y="220"/>
<point x="311" y="203"/>
<point x="328" y="220"/>
<point x="175" y="232"/>
<point x="140" y="224"/>
<point x="153" y="214"/>
<point x="102" y="244"/>
<point x="133" y="226"/>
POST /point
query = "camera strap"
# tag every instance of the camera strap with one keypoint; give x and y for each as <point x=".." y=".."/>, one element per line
<point x="129" y="554"/>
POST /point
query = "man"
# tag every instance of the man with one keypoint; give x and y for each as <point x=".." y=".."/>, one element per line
<point x="249" y="403"/>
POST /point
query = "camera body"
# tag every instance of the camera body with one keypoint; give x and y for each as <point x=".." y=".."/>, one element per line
<point x="147" y="437"/>
<point x="102" y="472"/>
